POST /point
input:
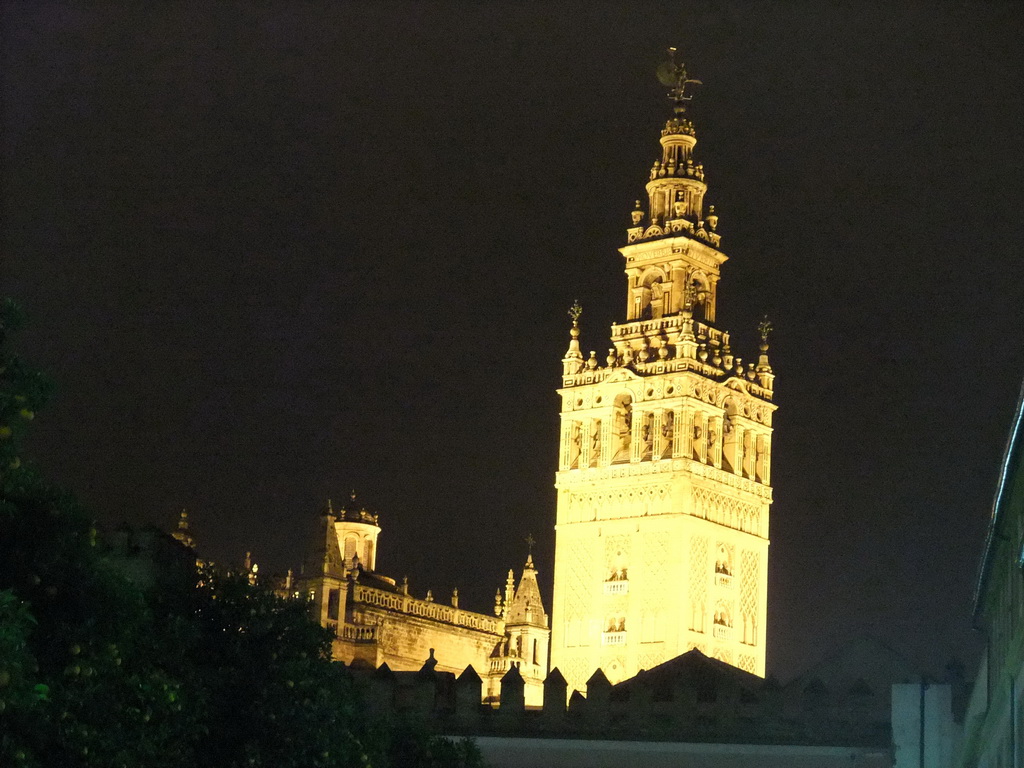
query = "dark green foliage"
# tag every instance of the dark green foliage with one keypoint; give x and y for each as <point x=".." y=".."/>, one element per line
<point x="114" y="656"/>
<point x="79" y="633"/>
<point x="411" y="746"/>
<point x="275" y="698"/>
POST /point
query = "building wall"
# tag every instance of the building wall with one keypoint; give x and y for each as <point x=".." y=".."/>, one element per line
<point x="993" y="730"/>
<point x="403" y="642"/>
<point x="689" y="535"/>
<point x="510" y="752"/>
<point x="923" y="730"/>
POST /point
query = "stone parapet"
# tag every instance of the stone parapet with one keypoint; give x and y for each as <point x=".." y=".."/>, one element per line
<point x="426" y="609"/>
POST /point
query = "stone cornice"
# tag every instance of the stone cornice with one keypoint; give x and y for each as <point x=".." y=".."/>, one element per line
<point x="571" y="478"/>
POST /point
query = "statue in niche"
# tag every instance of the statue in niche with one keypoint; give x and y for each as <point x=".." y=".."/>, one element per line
<point x="577" y="440"/>
<point x="595" y="443"/>
<point x="624" y="429"/>
<point x="657" y="300"/>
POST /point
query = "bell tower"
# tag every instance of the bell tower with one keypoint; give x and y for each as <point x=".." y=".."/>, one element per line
<point x="661" y="535"/>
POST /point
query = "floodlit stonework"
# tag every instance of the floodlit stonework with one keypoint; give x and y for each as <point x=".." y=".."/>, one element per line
<point x="377" y="621"/>
<point x="664" y="474"/>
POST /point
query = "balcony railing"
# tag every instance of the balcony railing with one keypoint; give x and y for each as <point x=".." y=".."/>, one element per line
<point x="359" y="634"/>
<point x="723" y="580"/>
<point x="721" y="632"/>
<point x="616" y="587"/>
<point x="613" y="638"/>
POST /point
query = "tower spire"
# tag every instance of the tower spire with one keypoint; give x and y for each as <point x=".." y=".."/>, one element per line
<point x="676" y="187"/>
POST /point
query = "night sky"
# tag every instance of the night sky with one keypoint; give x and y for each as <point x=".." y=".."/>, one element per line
<point x="271" y="252"/>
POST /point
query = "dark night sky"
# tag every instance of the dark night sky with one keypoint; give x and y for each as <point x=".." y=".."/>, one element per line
<point x="274" y="251"/>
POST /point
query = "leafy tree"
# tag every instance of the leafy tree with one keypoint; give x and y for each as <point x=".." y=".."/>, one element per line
<point x="79" y="633"/>
<point x="275" y="698"/>
<point x="104" y="664"/>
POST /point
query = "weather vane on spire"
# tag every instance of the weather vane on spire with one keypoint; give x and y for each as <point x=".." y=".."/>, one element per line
<point x="674" y="76"/>
<point x="764" y="328"/>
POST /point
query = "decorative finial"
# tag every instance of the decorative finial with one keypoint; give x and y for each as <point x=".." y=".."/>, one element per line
<point x="763" y="369"/>
<point x="637" y="214"/>
<point x="712" y="218"/>
<point x="530" y="541"/>
<point x="575" y="311"/>
<point x="572" y="363"/>
<point x="764" y="328"/>
<point x="674" y="76"/>
<point x="352" y="495"/>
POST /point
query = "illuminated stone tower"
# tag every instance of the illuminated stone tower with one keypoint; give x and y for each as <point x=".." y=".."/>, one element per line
<point x="663" y="481"/>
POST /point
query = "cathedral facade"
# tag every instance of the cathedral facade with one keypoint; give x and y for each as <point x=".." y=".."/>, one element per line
<point x="663" y="481"/>
<point x="375" y="619"/>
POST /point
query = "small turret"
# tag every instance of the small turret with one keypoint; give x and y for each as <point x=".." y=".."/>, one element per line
<point x="357" y="532"/>
<point x="527" y="635"/>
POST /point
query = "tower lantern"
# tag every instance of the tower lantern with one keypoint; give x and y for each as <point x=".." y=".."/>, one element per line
<point x="661" y="540"/>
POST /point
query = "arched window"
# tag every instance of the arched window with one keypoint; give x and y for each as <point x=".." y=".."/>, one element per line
<point x="368" y="554"/>
<point x="698" y="294"/>
<point x="575" y="444"/>
<point x="668" y="422"/>
<point x="647" y="436"/>
<point x="350" y="549"/>
<point x="723" y="563"/>
<point x="732" y="440"/>
<point x="653" y="296"/>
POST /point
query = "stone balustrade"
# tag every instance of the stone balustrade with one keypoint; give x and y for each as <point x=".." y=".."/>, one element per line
<point x="425" y="608"/>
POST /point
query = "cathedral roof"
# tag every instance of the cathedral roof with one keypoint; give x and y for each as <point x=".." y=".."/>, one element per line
<point x="373" y="579"/>
<point x="692" y="668"/>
